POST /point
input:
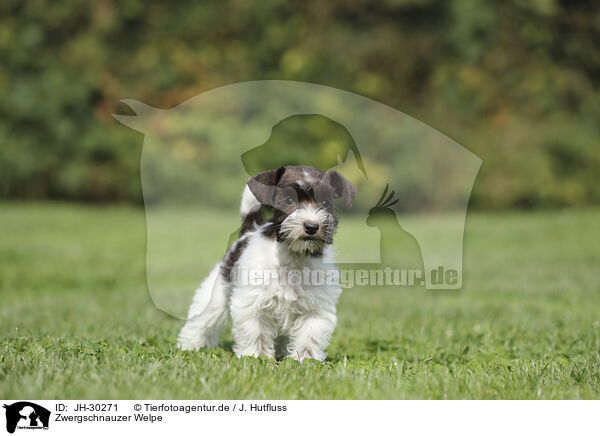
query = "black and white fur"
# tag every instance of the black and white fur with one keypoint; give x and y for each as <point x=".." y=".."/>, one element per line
<point x="275" y="320"/>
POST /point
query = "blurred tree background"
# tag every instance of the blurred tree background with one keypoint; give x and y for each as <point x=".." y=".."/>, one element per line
<point x="516" y="82"/>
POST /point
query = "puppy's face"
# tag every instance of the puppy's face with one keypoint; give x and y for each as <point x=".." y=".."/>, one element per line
<point x="302" y="201"/>
<point x="303" y="217"/>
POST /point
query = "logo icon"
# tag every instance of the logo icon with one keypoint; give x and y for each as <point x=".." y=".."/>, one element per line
<point x="26" y="415"/>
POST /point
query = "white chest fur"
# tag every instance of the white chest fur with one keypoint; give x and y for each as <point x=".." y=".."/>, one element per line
<point x="282" y="287"/>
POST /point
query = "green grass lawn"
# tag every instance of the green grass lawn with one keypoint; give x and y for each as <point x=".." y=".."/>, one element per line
<point x="76" y="320"/>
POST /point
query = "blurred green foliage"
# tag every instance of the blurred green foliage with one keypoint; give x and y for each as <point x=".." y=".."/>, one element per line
<point x="516" y="82"/>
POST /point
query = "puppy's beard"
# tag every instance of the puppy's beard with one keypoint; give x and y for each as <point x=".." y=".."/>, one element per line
<point x="303" y="246"/>
<point x="292" y="231"/>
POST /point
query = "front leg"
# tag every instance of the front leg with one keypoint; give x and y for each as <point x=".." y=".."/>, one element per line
<point x="254" y="334"/>
<point x="311" y="334"/>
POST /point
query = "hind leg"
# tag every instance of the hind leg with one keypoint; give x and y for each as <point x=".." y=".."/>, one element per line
<point x="207" y="315"/>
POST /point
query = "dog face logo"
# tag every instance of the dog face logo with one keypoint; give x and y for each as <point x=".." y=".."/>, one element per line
<point x="26" y="415"/>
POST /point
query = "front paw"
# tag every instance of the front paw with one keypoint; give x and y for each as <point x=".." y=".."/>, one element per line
<point x="185" y="346"/>
<point x="196" y="344"/>
<point x="307" y="353"/>
<point x="253" y="352"/>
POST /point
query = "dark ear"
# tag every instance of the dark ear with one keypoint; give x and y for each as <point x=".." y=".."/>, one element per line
<point x="341" y="186"/>
<point x="263" y="185"/>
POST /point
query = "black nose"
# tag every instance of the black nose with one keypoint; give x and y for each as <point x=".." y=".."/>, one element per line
<point x="311" y="227"/>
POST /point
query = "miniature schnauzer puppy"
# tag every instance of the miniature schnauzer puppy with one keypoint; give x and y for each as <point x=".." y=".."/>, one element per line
<point x="273" y="315"/>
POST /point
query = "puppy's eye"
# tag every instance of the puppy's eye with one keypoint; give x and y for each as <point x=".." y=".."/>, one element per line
<point x="290" y="201"/>
<point x="325" y="203"/>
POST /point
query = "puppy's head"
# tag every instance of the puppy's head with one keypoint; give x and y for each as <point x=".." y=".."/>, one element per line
<point x="302" y="201"/>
